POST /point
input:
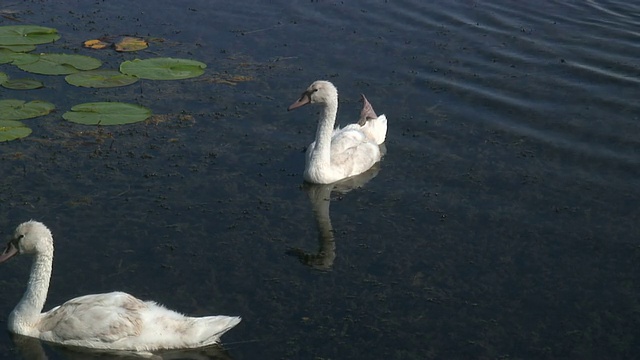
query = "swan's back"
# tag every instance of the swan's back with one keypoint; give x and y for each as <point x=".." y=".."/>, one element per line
<point x="105" y="317"/>
<point x="351" y="153"/>
<point x="375" y="130"/>
<point x="120" y="321"/>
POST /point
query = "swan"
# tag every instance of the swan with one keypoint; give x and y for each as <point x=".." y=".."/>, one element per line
<point x="111" y="321"/>
<point x="341" y="153"/>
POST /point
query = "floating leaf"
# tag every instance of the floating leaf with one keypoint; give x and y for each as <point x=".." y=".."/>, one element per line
<point x="96" y="44"/>
<point x="7" y="56"/>
<point x="107" y="113"/>
<point x="100" y="79"/>
<point x="18" y="48"/>
<point x="131" y="44"/>
<point x="3" y="77"/>
<point x="59" y="64"/>
<point x="22" y="84"/>
<point x="18" y="109"/>
<point x="11" y="130"/>
<point x="27" y="35"/>
<point x="16" y="58"/>
<point x="163" y="68"/>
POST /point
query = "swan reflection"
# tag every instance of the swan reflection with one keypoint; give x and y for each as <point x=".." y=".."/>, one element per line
<point x="320" y="197"/>
<point x="34" y="349"/>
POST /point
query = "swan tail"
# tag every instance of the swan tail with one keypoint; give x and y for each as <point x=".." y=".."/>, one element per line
<point x="209" y="329"/>
<point x="374" y="126"/>
<point x="376" y="129"/>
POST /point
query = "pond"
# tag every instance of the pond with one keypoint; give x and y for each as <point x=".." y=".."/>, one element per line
<point x="503" y="221"/>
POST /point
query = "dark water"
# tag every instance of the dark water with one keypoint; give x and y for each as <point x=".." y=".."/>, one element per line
<point x="502" y="223"/>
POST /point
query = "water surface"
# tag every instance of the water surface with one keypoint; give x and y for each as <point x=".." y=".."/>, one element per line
<point x="502" y="222"/>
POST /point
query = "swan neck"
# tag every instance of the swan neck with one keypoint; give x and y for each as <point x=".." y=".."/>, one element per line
<point x="324" y="132"/>
<point x="25" y="315"/>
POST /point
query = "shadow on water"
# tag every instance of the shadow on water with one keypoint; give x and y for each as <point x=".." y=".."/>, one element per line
<point x="320" y="198"/>
<point x="33" y="349"/>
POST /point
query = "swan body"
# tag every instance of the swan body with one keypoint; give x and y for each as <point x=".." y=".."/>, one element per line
<point x="110" y="321"/>
<point x="340" y="153"/>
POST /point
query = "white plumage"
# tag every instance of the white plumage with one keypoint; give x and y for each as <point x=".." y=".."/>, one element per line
<point x="111" y="321"/>
<point x="337" y="154"/>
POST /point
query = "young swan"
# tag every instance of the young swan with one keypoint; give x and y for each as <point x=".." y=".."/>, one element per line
<point x="340" y="153"/>
<point x="111" y="321"/>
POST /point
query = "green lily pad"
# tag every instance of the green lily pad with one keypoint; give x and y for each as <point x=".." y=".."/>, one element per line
<point x="22" y="84"/>
<point x="18" y="48"/>
<point x="163" y="68"/>
<point x="18" y="109"/>
<point x="3" y="77"/>
<point x="58" y="64"/>
<point x="6" y="56"/>
<point x="107" y="113"/>
<point x="16" y="58"/>
<point x="27" y="35"/>
<point x="11" y="130"/>
<point x="100" y="79"/>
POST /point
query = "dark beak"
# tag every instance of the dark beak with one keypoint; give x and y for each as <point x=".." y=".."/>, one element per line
<point x="304" y="100"/>
<point x="8" y="252"/>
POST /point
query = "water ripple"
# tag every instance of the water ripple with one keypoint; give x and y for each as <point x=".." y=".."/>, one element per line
<point x="564" y="74"/>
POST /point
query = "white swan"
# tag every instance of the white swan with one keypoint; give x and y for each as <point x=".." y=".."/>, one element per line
<point x="340" y="153"/>
<point x="111" y="321"/>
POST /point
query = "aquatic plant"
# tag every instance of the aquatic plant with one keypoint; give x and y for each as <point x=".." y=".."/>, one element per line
<point x="107" y="113"/>
<point x="16" y="43"/>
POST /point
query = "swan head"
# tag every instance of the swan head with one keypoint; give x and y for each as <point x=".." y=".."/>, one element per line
<point x="320" y="91"/>
<point x="31" y="237"/>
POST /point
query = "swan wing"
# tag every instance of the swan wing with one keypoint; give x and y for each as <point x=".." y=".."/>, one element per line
<point x="352" y="152"/>
<point x="100" y="318"/>
<point x="346" y="138"/>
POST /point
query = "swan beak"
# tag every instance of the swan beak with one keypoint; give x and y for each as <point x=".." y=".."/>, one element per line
<point x="8" y="252"/>
<point x="304" y="100"/>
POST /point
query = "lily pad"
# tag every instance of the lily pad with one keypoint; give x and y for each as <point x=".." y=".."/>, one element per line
<point x="6" y="56"/>
<point x="18" y="48"/>
<point x="59" y="64"/>
<point x="129" y="43"/>
<point x="12" y="109"/>
<point x="27" y="35"/>
<point x="3" y="77"/>
<point x="11" y="130"/>
<point x="107" y="113"/>
<point x="22" y="84"/>
<point x="96" y="44"/>
<point x="100" y="79"/>
<point x="163" y="68"/>
<point x="16" y="58"/>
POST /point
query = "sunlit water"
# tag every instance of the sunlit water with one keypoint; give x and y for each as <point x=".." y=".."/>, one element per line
<point x="502" y="223"/>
